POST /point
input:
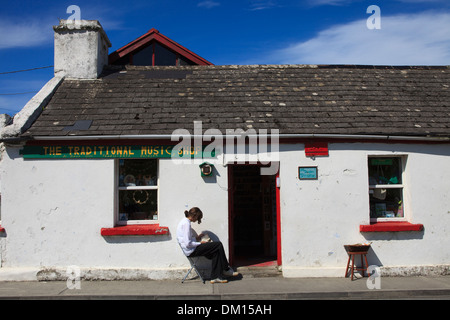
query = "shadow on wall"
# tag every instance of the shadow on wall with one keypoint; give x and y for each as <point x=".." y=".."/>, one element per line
<point x="203" y="263"/>
<point x="372" y="257"/>
<point x="137" y="239"/>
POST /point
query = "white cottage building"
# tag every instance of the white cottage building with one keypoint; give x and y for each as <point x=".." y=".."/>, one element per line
<point x="91" y="174"/>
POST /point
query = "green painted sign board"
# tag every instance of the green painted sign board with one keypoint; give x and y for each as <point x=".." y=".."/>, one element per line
<point x="111" y="151"/>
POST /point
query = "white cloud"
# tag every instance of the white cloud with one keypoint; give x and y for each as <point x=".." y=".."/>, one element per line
<point x="256" y="5"/>
<point x="343" y="2"/>
<point x="328" y="2"/>
<point x="208" y="4"/>
<point x="419" y="39"/>
<point x="24" y="34"/>
<point x="420" y="1"/>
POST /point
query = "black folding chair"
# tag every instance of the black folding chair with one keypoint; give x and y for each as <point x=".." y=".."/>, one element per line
<point x="193" y="262"/>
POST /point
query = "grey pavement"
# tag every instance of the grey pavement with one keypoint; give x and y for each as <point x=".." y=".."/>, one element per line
<point x="248" y="288"/>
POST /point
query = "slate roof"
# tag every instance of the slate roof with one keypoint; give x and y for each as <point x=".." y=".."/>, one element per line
<point x="296" y="99"/>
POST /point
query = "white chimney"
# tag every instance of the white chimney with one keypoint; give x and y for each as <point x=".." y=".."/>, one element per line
<point x="81" y="49"/>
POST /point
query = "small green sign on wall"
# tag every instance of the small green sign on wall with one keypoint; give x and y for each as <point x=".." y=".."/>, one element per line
<point x="307" y="173"/>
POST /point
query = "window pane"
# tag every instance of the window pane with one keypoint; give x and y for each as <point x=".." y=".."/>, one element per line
<point x="138" y="205"/>
<point x="144" y="57"/>
<point x="386" y="203"/>
<point x="385" y="171"/>
<point x="185" y="62"/>
<point x="123" y="61"/>
<point x="137" y="172"/>
<point x="164" y="57"/>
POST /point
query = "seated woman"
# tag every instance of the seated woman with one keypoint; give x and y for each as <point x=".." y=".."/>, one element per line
<point x="193" y="246"/>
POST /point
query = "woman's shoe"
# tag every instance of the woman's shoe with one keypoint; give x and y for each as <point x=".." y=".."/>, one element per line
<point x="218" y="280"/>
<point x="230" y="273"/>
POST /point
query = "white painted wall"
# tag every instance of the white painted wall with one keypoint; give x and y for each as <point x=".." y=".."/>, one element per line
<point x="53" y="211"/>
<point x="320" y="217"/>
<point x="182" y="187"/>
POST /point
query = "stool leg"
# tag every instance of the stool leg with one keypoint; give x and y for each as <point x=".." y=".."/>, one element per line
<point x="362" y="265"/>
<point x="348" y="263"/>
<point x="353" y="265"/>
<point x="367" y="265"/>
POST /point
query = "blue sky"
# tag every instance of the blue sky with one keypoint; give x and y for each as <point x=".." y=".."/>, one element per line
<point x="413" y="32"/>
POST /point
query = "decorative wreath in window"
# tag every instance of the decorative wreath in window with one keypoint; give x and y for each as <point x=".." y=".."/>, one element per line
<point x="141" y="196"/>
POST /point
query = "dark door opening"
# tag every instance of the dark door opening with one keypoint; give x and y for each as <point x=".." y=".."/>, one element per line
<point x="253" y="216"/>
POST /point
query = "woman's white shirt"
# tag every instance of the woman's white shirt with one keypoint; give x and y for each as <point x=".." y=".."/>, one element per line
<point x="186" y="237"/>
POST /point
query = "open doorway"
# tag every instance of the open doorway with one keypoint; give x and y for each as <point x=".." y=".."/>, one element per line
<point x="252" y="217"/>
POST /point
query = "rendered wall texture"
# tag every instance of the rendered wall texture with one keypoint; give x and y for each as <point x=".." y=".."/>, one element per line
<point x="53" y="211"/>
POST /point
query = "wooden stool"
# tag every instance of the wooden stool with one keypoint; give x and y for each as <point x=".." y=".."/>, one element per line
<point x="351" y="256"/>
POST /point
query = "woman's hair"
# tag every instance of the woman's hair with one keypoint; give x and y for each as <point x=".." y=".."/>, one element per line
<point x="194" y="213"/>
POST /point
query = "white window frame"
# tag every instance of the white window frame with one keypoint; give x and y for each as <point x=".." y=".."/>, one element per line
<point x="403" y="159"/>
<point x="118" y="188"/>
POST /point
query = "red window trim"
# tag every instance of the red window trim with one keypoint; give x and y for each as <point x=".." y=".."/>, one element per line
<point x="391" y="227"/>
<point x="135" y="230"/>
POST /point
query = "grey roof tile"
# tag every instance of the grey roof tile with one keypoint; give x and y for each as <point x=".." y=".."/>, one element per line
<point x="295" y="99"/>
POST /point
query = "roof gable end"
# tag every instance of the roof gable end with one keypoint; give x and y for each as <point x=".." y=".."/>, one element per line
<point x="153" y="35"/>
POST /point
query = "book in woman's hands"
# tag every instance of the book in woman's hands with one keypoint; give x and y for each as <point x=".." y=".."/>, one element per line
<point x="205" y="238"/>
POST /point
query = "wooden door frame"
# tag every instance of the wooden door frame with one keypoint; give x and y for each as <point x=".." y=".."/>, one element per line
<point x="230" y="209"/>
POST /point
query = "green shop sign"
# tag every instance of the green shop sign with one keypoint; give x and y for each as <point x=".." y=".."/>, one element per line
<point x="112" y="151"/>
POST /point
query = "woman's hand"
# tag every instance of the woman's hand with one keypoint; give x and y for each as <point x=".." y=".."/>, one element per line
<point x="199" y="237"/>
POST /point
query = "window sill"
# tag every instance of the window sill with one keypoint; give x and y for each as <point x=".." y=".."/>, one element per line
<point x="135" y="230"/>
<point x="390" y="227"/>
